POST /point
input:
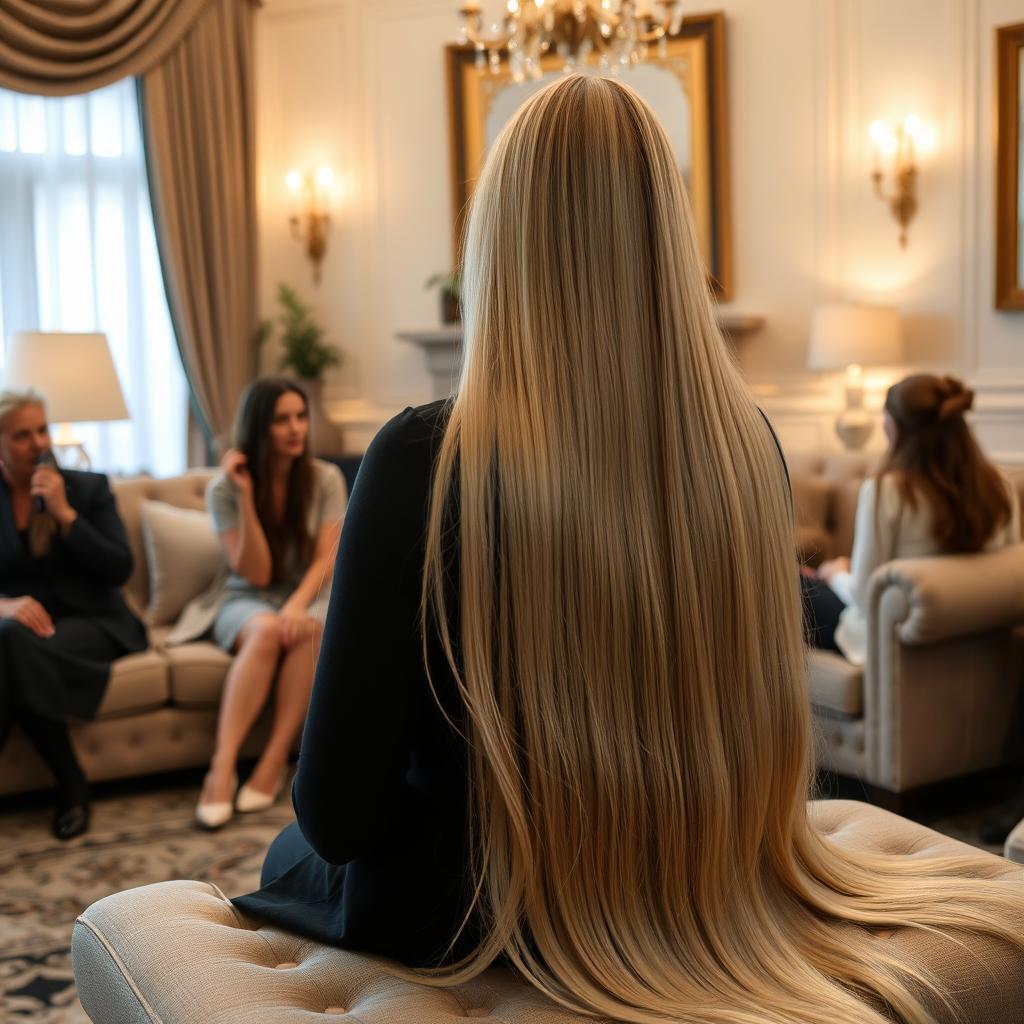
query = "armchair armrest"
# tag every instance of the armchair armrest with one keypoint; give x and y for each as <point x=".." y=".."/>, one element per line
<point x="950" y="595"/>
<point x="942" y="680"/>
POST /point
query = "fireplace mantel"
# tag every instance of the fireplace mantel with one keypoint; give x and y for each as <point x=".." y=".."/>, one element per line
<point x="442" y="348"/>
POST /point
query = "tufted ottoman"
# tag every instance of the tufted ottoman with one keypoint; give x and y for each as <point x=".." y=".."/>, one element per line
<point x="179" y="953"/>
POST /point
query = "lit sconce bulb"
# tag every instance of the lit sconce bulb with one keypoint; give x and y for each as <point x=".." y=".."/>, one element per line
<point x="513" y="6"/>
<point x="309" y="218"/>
<point x="893" y="151"/>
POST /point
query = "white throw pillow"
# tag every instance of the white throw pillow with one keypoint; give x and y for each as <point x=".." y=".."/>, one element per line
<point x="183" y="555"/>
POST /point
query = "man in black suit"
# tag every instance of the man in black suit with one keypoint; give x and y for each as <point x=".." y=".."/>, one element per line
<point x="63" y="558"/>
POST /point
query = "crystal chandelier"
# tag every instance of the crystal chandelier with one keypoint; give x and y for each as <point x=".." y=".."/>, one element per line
<point x="619" y="32"/>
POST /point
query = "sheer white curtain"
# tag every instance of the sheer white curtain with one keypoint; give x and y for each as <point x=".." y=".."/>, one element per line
<point x="78" y="253"/>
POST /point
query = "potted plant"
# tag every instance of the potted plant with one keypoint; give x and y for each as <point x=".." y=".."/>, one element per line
<point x="306" y="356"/>
<point x="450" y="285"/>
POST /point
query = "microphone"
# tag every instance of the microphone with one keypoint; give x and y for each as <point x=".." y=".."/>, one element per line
<point x="45" y="458"/>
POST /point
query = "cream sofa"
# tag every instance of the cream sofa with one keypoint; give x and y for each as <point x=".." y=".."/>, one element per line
<point x="180" y="953"/>
<point x="942" y="692"/>
<point x="160" y="709"/>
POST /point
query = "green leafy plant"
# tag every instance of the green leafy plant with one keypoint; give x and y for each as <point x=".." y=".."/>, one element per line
<point x="450" y="283"/>
<point x="305" y="353"/>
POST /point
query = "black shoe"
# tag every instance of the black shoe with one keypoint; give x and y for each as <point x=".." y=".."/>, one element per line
<point x="71" y="821"/>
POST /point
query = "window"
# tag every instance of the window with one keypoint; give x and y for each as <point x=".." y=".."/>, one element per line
<point x="78" y="253"/>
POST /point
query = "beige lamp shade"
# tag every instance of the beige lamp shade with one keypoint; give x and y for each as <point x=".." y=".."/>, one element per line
<point x="73" y="372"/>
<point x="866" y="335"/>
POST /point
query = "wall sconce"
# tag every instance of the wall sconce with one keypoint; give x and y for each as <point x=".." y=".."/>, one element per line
<point x="309" y="219"/>
<point x="898" y="146"/>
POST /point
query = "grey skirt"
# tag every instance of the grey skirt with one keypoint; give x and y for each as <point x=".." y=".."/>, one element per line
<point x="241" y="605"/>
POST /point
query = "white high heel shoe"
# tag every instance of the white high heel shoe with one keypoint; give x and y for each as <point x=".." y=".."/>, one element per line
<point x="250" y="799"/>
<point x="218" y="813"/>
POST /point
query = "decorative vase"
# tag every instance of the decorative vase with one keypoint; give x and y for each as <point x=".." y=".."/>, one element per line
<point x="325" y="436"/>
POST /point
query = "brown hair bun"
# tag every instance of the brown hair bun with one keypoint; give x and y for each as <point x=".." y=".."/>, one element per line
<point x="958" y="399"/>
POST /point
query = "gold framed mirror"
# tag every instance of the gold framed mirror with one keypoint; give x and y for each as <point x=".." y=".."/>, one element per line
<point x="1010" y="168"/>
<point x="685" y="85"/>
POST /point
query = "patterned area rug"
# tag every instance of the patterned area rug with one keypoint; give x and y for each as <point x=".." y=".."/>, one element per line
<point x="134" y="840"/>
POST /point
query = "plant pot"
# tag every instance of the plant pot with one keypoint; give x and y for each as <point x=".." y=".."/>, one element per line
<point x="451" y="311"/>
<point x="325" y="436"/>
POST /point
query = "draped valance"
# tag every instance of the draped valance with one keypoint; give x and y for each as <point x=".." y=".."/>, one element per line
<point x="193" y="60"/>
<point x="62" y="47"/>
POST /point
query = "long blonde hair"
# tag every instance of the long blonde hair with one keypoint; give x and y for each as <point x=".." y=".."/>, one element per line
<point x="42" y="527"/>
<point x="630" y="642"/>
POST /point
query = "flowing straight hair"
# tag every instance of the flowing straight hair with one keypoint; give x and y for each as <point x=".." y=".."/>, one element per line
<point x="42" y="527"/>
<point x="629" y="630"/>
<point x="252" y="438"/>
<point x="935" y="457"/>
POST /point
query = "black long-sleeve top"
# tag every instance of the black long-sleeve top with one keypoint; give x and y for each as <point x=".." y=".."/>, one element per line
<point x="381" y="790"/>
<point x="84" y="570"/>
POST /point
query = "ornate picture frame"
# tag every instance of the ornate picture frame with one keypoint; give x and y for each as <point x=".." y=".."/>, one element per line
<point x="686" y="87"/>
<point x="1010" y="168"/>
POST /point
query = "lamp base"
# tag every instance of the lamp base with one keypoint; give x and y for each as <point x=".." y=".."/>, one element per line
<point x="70" y="448"/>
<point x="854" y="428"/>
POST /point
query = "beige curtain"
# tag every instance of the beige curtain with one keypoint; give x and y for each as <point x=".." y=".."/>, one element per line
<point x="62" y="47"/>
<point x="198" y="126"/>
<point x="194" y="62"/>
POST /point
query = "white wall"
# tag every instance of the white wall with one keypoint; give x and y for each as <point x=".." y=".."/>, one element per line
<point x="360" y="84"/>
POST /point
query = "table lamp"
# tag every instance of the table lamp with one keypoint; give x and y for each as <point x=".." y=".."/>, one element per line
<point x="847" y="338"/>
<point x="75" y="375"/>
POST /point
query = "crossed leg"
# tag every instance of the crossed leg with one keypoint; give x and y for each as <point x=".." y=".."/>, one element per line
<point x="246" y="689"/>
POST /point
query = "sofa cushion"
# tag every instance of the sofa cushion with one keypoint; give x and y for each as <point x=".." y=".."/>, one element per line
<point x="197" y="672"/>
<point x="186" y="491"/>
<point x="836" y="686"/>
<point x="182" y="555"/>
<point x="138" y="682"/>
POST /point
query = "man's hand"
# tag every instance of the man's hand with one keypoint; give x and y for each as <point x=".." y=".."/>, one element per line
<point x="29" y="612"/>
<point x="48" y="484"/>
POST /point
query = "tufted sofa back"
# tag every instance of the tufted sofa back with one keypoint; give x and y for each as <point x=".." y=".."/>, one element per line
<point x="185" y="491"/>
<point x="825" y="491"/>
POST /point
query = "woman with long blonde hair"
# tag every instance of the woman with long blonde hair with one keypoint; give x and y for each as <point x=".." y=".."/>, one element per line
<point x="594" y="764"/>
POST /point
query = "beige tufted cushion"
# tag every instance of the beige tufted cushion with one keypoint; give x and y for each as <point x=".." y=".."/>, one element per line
<point x="197" y="672"/>
<point x="138" y="682"/>
<point x="836" y="686"/>
<point x="186" y="491"/>
<point x="180" y="952"/>
<point x="183" y="555"/>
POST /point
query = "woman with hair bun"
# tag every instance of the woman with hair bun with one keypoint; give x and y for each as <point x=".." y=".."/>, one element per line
<point x="935" y="494"/>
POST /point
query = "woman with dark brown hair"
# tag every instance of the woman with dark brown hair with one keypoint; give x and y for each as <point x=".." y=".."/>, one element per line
<point x="934" y="494"/>
<point x="278" y="514"/>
